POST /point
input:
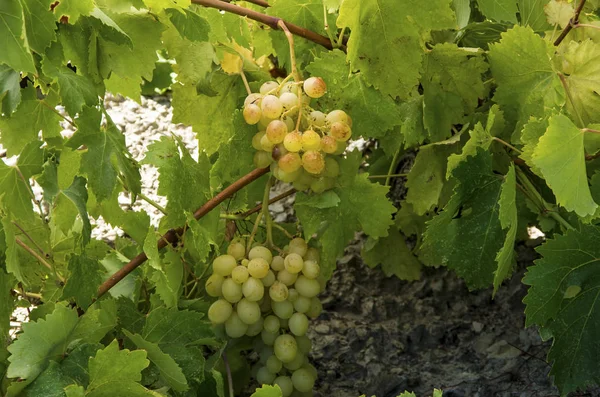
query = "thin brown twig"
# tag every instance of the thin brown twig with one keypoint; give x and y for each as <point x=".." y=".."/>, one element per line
<point x="572" y="22"/>
<point x="31" y="239"/>
<point x="271" y="201"/>
<point x="261" y="3"/>
<point x="172" y="236"/>
<point x="269" y="20"/>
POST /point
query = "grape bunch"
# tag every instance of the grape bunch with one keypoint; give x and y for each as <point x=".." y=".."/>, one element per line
<point x="298" y="142"/>
<point x="270" y="298"/>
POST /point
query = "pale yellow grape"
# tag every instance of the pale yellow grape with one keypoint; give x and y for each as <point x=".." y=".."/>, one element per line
<point x="311" y="140"/>
<point x="260" y="252"/>
<point x="298" y="246"/>
<point x="268" y="338"/>
<point x="278" y="263"/>
<point x="258" y="267"/>
<point x="262" y="159"/>
<point x="276" y="131"/>
<point x="312" y="254"/>
<point x="298" y="323"/>
<point x="303" y="380"/>
<point x="293" y="141"/>
<point x="248" y="311"/>
<point x="253" y="289"/>
<point x="302" y="304"/>
<point x="289" y="87"/>
<point x="269" y="279"/>
<point x="256" y="328"/>
<point x="337" y="115"/>
<point x="285" y="348"/>
<point x="271" y="324"/>
<point x="271" y="106"/>
<point x="266" y="144"/>
<point x="291" y="162"/>
<point x="315" y="87"/>
<point x="340" y="131"/>
<point x="213" y="285"/>
<point x="328" y="144"/>
<point x="244" y="262"/>
<point x="236" y="249"/>
<point x="283" y="309"/>
<point x="239" y="274"/>
<point x="264" y="122"/>
<point x="252" y="114"/>
<point x="288" y="100"/>
<point x="278" y="292"/>
<point x="293" y="295"/>
<point x="256" y="140"/>
<point x="332" y="168"/>
<point x="317" y="118"/>
<point x="322" y="184"/>
<point x="289" y="177"/>
<point x="274" y="364"/>
<point x="289" y="122"/>
<point x="235" y="327"/>
<point x="268" y="86"/>
<point x="219" y="311"/>
<point x="311" y="269"/>
<point x="307" y="287"/>
<point x="296" y="363"/>
<point x="224" y="264"/>
<point x="231" y="290"/>
<point x="264" y="376"/>
<point x="285" y="384"/>
<point x="313" y="162"/>
<point x="254" y="98"/>
<point x="316" y="307"/>
<point x="294" y="263"/>
<point x="287" y="278"/>
<point x="304" y="344"/>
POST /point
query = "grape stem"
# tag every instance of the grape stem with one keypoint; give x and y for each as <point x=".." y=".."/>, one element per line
<point x="267" y="214"/>
<point x="295" y="72"/>
<point x="253" y="233"/>
<point x="245" y="80"/>
<point x="508" y="145"/>
<point x="387" y="176"/>
<point x="392" y="167"/>
<point x="258" y="207"/>
<point x="229" y="378"/>
<point x="586" y="25"/>
<point x="572" y="22"/>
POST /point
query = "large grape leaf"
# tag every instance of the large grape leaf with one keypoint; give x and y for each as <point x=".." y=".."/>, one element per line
<point x="499" y="10"/>
<point x="581" y="66"/>
<point x="467" y="234"/>
<point x="373" y="113"/>
<point x="508" y="220"/>
<point x="16" y="196"/>
<point x="569" y="262"/>
<point x="15" y="50"/>
<point x="189" y="24"/>
<point x="168" y="327"/>
<point x="40" y="24"/>
<point x="560" y="157"/>
<point x="386" y="39"/>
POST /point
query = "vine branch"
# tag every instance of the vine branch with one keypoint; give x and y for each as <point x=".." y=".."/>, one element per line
<point x="572" y="22"/>
<point x="172" y="236"/>
<point x="269" y="20"/>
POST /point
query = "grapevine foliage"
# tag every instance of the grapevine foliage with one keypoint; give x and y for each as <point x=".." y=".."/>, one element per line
<point x="499" y="101"/>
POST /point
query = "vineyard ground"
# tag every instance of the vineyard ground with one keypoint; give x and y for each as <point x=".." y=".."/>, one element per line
<point x="380" y="335"/>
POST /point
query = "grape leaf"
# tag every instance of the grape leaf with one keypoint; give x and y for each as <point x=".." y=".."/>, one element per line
<point x="532" y="14"/>
<point x="463" y="12"/>
<point x="114" y="366"/>
<point x="412" y="131"/>
<point x="168" y="278"/>
<point x="567" y="260"/>
<point x="190" y="25"/>
<point x="372" y="112"/>
<point x="530" y="136"/>
<point x="10" y="90"/>
<point x="581" y="66"/>
<point x="7" y="301"/>
<point x="15" y="50"/>
<point x="16" y="198"/>
<point x="169" y="370"/>
<point x="467" y="234"/>
<point x="394" y="256"/>
<point x="565" y="175"/>
<point x="74" y="391"/>
<point x="76" y="363"/>
<point x="84" y="279"/>
<point x="50" y="383"/>
<point x="39" y="24"/>
<point x="387" y="36"/>
<point x="267" y="391"/>
<point x="508" y="220"/>
<point x="73" y="9"/>
<point x="110" y="29"/>
<point x="68" y="203"/>
<point x="177" y="327"/>
<point x="479" y="137"/>
<point x="189" y="358"/>
<point x="499" y="10"/>
<point x="559" y="13"/>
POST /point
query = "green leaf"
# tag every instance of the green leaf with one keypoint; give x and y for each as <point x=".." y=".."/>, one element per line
<point x="114" y="366"/>
<point x="68" y="204"/>
<point x="39" y="24"/>
<point x="567" y="260"/>
<point x="373" y="113"/>
<point x="499" y="10"/>
<point x="565" y="174"/>
<point x="394" y="256"/>
<point x="84" y="280"/>
<point x="75" y="365"/>
<point x="10" y="90"/>
<point x="73" y="9"/>
<point x="467" y="234"/>
<point x="508" y="220"/>
<point x="267" y="391"/>
<point x="169" y="370"/>
<point x="530" y="136"/>
<point x="15" y="50"/>
<point x="479" y="138"/>
<point x="74" y="391"/>
<point x="16" y="199"/>
<point x="7" y="302"/>
<point x="387" y="35"/>
<point x="177" y="327"/>
<point x="190" y="25"/>
<point x="50" y="383"/>
<point x="411" y="132"/>
<point x="533" y="15"/>
<point x="168" y="277"/>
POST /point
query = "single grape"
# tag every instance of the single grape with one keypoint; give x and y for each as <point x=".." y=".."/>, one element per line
<point x="317" y="118"/>
<point x="256" y="328"/>
<point x="253" y="98"/>
<point x="248" y="311"/>
<point x="271" y="106"/>
<point x="256" y="139"/>
<point x="340" y="131"/>
<point x="291" y="162"/>
<point x="285" y="348"/>
<point x="289" y="177"/>
<point x="244" y="262"/>
<point x="264" y="376"/>
<point x="231" y="290"/>
<point x="252" y="114"/>
<point x="223" y="265"/>
<point x="307" y="287"/>
<point x="296" y="363"/>
<point x="290" y="86"/>
<point x="311" y="140"/>
<point x="269" y="279"/>
<point x="304" y="344"/>
<point x="219" y="311"/>
<point x="271" y="324"/>
<point x="283" y="309"/>
<point x="312" y="254"/>
<point x="289" y="122"/>
<point x="253" y="289"/>
<point x="298" y="323"/>
<point x="264" y="122"/>
<point x="278" y="151"/>
<point x="304" y="181"/>
<point x="258" y="267"/>
<point x="278" y="292"/>
<point x="337" y="115"/>
<point x="277" y="264"/>
<point x="268" y="86"/>
<point x="293" y="295"/>
<point x="260" y="252"/>
<point x="313" y="161"/>
<point x="303" y="380"/>
<point x="213" y="285"/>
<point x="294" y="263"/>
<point x="293" y="141"/>
<point x="276" y="131"/>
<point x="311" y="269"/>
<point x="235" y="327"/>
<point x="332" y="167"/>
<point x="262" y="159"/>
<point x="310" y="369"/>
<point x="316" y="307"/>
<point x="237" y="249"/>
<point x="302" y="304"/>
<point x="239" y="274"/>
<point x="322" y="184"/>
<point x="315" y="87"/>
<point x="285" y="384"/>
<point x="268" y="338"/>
<point x="266" y="144"/>
<point x="287" y="278"/>
<point x="274" y="364"/>
<point x="298" y="246"/>
<point x="329" y="144"/>
<point x="288" y="100"/>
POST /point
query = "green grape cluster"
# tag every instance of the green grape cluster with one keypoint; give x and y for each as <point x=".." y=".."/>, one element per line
<point x="270" y="297"/>
<point x="298" y="142"/>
